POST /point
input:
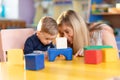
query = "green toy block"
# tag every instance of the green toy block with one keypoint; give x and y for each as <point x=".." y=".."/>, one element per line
<point x="96" y="47"/>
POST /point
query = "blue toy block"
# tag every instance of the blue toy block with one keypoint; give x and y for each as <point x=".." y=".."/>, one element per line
<point x="34" y="61"/>
<point x="53" y="53"/>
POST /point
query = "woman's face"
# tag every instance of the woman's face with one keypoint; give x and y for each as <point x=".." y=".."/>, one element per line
<point x="66" y="31"/>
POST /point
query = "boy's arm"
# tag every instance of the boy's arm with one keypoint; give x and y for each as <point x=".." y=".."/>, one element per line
<point x="28" y="47"/>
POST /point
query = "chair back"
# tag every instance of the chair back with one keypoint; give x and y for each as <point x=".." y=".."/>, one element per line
<point x="14" y="39"/>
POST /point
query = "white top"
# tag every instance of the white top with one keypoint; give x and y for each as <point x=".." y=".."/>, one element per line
<point x="96" y="38"/>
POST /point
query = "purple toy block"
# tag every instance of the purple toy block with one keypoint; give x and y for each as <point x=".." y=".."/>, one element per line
<point x="53" y="53"/>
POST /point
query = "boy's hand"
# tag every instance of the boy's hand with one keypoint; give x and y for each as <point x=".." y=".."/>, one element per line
<point x="45" y="54"/>
<point x="42" y="52"/>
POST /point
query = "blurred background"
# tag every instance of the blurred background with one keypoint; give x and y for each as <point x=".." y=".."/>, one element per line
<point x="32" y="10"/>
<point x="27" y="13"/>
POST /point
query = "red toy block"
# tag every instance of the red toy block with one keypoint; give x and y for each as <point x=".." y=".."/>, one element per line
<point x="93" y="56"/>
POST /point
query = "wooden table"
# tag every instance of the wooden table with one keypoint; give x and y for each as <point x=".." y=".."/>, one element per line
<point x="61" y="69"/>
<point x="7" y="23"/>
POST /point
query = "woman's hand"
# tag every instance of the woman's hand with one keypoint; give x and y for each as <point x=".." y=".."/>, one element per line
<point x="80" y="52"/>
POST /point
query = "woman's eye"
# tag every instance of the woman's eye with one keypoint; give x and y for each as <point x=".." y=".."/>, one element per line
<point x="67" y="31"/>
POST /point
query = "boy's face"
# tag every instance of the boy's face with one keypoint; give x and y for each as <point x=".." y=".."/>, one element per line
<point x="45" y="38"/>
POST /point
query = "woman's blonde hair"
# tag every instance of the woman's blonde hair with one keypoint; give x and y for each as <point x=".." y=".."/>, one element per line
<point x="80" y="31"/>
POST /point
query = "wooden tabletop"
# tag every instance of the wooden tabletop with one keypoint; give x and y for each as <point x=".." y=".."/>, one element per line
<point x="61" y="69"/>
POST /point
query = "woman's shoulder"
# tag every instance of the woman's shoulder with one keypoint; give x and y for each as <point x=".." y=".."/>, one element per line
<point x="99" y="25"/>
<point x="106" y="27"/>
<point x="106" y="33"/>
<point x="108" y="38"/>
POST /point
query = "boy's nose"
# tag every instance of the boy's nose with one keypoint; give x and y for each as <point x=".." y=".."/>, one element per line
<point x="49" y="42"/>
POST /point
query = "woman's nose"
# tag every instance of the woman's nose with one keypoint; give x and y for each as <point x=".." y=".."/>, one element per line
<point x="65" y="35"/>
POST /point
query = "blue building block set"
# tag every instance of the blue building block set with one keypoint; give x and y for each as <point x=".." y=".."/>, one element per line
<point x="53" y="53"/>
<point x="35" y="61"/>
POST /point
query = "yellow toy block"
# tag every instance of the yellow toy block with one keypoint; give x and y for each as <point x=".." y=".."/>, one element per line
<point x="15" y="56"/>
<point x="110" y="55"/>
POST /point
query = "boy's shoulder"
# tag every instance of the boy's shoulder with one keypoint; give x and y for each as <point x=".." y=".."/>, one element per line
<point x="34" y="36"/>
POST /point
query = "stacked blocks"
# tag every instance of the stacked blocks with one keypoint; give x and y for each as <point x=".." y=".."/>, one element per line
<point x="53" y="53"/>
<point x="110" y="55"/>
<point x="93" y="56"/>
<point x="34" y="61"/>
<point x="98" y="54"/>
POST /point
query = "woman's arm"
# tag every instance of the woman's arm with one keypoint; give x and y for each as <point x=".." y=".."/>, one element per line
<point x="80" y="52"/>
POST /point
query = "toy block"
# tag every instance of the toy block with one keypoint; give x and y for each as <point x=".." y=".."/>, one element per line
<point x="15" y="56"/>
<point x="61" y="43"/>
<point x="96" y="47"/>
<point x="93" y="56"/>
<point x="53" y="53"/>
<point x="34" y="61"/>
<point x="110" y="55"/>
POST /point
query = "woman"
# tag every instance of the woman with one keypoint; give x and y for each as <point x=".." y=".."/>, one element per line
<point x="74" y="28"/>
<point x="101" y="34"/>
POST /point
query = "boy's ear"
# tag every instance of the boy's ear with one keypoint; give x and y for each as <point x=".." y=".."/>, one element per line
<point x="38" y="32"/>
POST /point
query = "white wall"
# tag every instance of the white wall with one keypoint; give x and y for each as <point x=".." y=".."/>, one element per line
<point x="12" y="7"/>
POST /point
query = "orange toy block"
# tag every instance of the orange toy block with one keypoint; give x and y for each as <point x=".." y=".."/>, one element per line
<point x="93" y="56"/>
<point x="110" y="55"/>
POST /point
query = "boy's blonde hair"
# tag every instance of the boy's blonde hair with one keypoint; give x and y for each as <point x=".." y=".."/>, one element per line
<point x="48" y="25"/>
<point x="81" y="33"/>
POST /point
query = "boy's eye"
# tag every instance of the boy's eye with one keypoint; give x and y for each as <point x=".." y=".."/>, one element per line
<point x="47" y="38"/>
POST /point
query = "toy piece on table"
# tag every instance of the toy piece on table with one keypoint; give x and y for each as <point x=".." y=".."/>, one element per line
<point x="110" y="55"/>
<point x="53" y="53"/>
<point x="34" y="61"/>
<point x="61" y="43"/>
<point x="61" y="49"/>
<point x="15" y="56"/>
<point x="93" y="56"/>
<point x="96" y="47"/>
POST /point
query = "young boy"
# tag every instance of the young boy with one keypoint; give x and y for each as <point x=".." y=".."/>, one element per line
<point x="42" y="39"/>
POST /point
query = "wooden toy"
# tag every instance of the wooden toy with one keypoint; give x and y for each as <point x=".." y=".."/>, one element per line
<point x="53" y="53"/>
<point x="34" y="61"/>
<point x="15" y="56"/>
<point x="61" y="43"/>
<point x="93" y="56"/>
<point x="97" y="47"/>
<point x="110" y="55"/>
